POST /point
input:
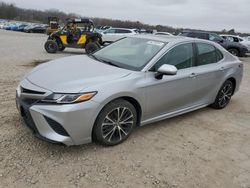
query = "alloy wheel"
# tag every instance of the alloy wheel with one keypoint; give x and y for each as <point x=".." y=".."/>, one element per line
<point x="225" y="94"/>
<point x="117" y="124"/>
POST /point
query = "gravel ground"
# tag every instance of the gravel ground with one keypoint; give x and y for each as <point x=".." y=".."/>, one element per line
<point x="205" y="148"/>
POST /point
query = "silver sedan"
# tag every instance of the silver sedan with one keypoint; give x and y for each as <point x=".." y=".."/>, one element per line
<point x="133" y="82"/>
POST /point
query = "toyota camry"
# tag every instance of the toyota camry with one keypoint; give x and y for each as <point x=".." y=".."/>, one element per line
<point x="133" y="82"/>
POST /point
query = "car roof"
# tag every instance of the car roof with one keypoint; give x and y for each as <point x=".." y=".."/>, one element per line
<point x="121" y="28"/>
<point x="196" y="31"/>
<point x="227" y="35"/>
<point x="167" y="39"/>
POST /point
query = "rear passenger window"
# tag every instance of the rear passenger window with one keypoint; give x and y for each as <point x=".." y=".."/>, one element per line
<point x="123" y="31"/>
<point x="201" y="35"/>
<point x="219" y="55"/>
<point x="207" y="54"/>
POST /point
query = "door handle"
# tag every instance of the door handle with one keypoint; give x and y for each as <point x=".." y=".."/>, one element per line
<point x="193" y="75"/>
<point x="222" y="69"/>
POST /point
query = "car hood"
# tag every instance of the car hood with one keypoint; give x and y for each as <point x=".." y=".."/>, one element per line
<point x="74" y="74"/>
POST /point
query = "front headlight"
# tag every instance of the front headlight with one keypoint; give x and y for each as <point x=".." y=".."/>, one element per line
<point x="69" y="98"/>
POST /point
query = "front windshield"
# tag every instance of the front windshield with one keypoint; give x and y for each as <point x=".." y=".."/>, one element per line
<point x="130" y="53"/>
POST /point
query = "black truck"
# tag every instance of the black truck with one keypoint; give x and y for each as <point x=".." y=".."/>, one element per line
<point x="234" y="48"/>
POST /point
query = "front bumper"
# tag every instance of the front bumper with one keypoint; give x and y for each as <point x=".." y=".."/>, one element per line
<point x="69" y="124"/>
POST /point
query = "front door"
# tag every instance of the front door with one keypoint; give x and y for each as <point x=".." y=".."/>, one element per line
<point x="172" y="93"/>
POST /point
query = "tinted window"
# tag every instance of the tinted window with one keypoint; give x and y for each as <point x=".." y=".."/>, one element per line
<point x="183" y="34"/>
<point x="122" y="31"/>
<point x="219" y="55"/>
<point x="110" y="31"/>
<point x="236" y="39"/>
<point x="201" y="35"/>
<point x="180" y="56"/>
<point x="207" y="54"/>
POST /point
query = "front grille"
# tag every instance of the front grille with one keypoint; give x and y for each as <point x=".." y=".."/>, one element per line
<point x="30" y="101"/>
<point x="57" y="127"/>
<point x="25" y="113"/>
<point x="28" y="91"/>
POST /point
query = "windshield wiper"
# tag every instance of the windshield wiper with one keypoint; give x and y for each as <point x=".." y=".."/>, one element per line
<point x="109" y="63"/>
<point x="93" y="56"/>
<point x="104" y="61"/>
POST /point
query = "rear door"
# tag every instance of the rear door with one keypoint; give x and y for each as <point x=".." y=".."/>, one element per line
<point x="209" y="72"/>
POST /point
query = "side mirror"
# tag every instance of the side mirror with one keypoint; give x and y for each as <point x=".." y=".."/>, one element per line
<point x="165" y="70"/>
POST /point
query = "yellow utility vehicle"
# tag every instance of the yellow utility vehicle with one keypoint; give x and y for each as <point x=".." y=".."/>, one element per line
<point x="53" y="25"/>
<point x="77" y="33"/>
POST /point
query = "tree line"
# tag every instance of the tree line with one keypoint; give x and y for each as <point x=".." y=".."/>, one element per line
<point x="11" y="12"/>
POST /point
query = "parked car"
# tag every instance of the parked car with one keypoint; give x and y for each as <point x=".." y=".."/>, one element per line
<point x="135" y="81"/>
<point x="100" y="29"/>
<point x="8" y="26"/>
<point x="163" y="33"/>
<point x="114" y="34"/>
<point x="234" y="48"/>
<point x="233" y="38"/>
<point x="35" y="29"/>
<point x="15" y="26"/>
<point x="22" y="26"/>
<point x="2" y="23"/>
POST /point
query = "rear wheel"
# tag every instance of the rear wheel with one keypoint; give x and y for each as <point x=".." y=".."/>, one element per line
<point x="115" y="123"/>
<point x="51" y="46"/>
<point x="224" y="95"/>
<point x="91" y="47"/>
<point x="234" y="51"/>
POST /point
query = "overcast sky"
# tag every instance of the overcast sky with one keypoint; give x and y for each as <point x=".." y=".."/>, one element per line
<point x="198" y="14"/>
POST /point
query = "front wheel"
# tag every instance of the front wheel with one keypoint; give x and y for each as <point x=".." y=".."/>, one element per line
<point x="224" y="95"/>
<point x="91" y="47"/>
<point x="115" y="123"/>
<point x="51" y="46"/>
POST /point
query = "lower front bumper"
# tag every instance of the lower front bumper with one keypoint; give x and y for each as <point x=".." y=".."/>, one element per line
<point x="76" y="119"/>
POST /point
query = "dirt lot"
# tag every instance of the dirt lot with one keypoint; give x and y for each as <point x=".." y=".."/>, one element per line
<point x="206" y="148"/>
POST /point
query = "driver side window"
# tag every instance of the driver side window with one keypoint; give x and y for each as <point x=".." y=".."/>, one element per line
<point x="181" y="57"/>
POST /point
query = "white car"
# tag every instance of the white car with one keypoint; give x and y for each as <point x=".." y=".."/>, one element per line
<point x="163" y="33"/>
<point x="234" y="38"/>
<point x="114" y="34"/>
<point x="247" y="38"/>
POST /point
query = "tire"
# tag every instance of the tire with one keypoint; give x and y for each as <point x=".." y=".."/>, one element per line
<point x="51" y="46"/>
<point x="113" y="127"/>
<point x="235" y="52"/>
<point x="91" y="47"/>
<point x="61" y="47"/>
<point x="224" y="95"/>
